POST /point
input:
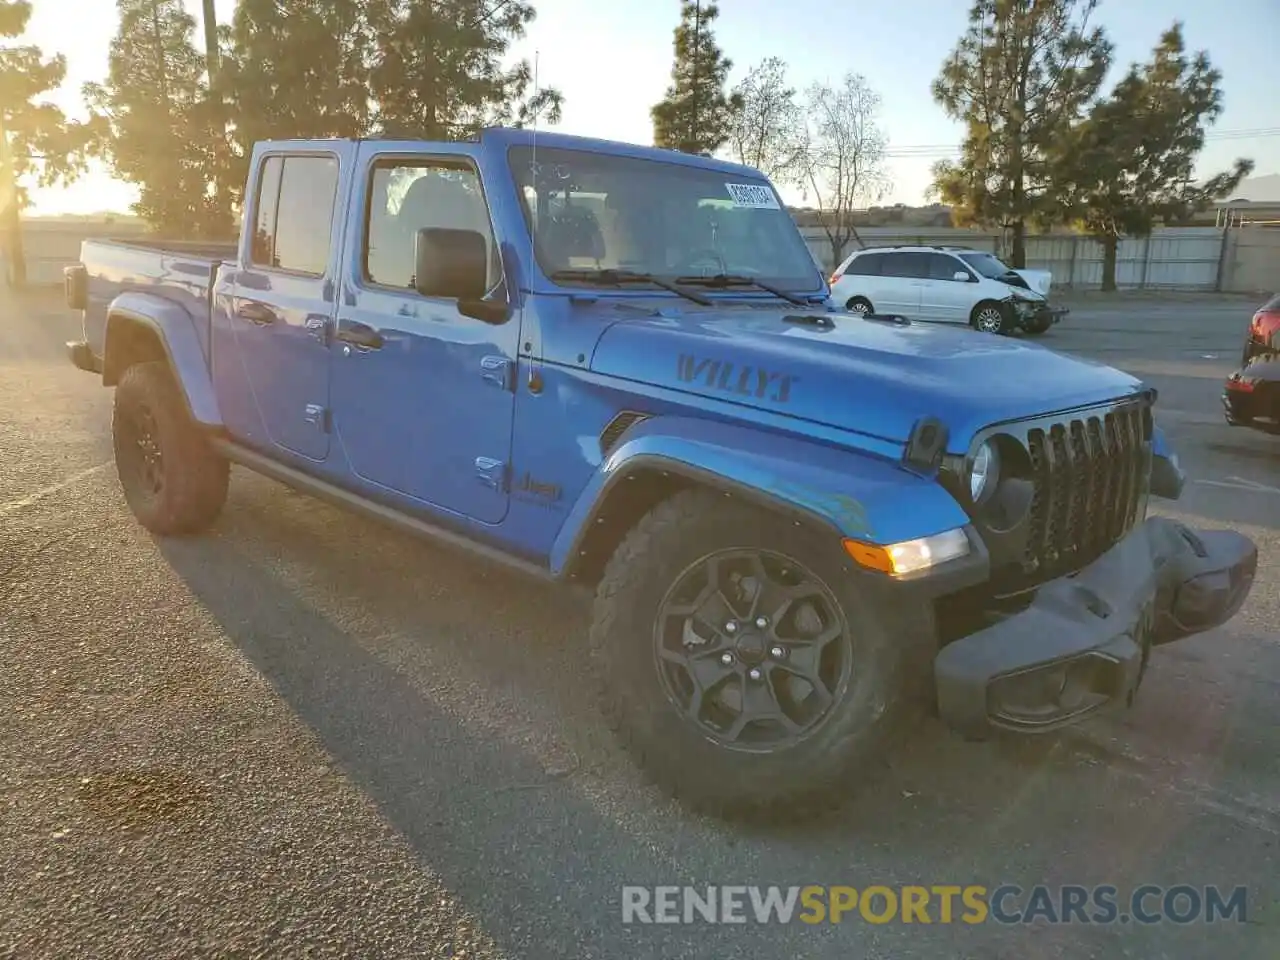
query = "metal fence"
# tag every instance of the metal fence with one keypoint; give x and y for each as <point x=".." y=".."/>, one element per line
<point x="1185" y="258"/>
<point x="1176" y="258"/>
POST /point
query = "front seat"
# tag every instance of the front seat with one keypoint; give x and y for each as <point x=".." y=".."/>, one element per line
<point x="434" y="201"/>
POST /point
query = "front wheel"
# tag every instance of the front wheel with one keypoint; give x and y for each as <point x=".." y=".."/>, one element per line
<point x="743" y="666"/>
<point x="990" y="317"/>
<point x="859" y="305"/>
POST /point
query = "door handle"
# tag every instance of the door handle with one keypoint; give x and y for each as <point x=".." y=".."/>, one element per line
<point x="361" y="335"/>
<point x="256" y="312"/>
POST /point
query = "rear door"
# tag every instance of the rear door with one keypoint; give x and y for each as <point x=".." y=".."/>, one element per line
<point x="282" y="302"/>
<point x="861" y="278"/>
<point x="901" y="278"/>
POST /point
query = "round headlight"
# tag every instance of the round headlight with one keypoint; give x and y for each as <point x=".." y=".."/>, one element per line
<point x="984" y="473"/>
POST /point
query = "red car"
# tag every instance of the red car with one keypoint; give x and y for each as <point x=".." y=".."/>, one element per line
<point x="1252" y="395"/>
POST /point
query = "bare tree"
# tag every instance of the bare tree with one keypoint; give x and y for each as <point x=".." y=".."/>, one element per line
<point x="843" y="159"/>
<point x="768" y="130"/>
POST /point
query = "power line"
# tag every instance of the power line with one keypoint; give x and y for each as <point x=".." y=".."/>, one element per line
<point x="939" y="151"/>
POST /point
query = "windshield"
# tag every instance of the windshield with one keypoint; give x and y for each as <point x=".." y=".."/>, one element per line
<point x="986" y="265"/>
<point x="593" y="211"/>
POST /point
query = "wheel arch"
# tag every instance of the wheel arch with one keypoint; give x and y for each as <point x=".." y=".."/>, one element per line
<point x="143" y="328"/>
<point x="840" y="493"/>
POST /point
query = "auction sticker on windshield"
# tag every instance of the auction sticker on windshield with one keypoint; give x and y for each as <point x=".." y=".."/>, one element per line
<point x="752" y="195"/>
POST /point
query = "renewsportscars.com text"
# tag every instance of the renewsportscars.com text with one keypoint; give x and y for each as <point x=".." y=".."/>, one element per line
<point x="939" y="903"/>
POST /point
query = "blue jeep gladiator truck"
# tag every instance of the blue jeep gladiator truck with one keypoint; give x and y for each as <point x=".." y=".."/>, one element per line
<point x="615" y="367"/>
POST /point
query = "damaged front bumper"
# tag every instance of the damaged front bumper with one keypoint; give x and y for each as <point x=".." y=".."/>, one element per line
<point x="1038" y="317"/>
<point x="1082" y="644"/>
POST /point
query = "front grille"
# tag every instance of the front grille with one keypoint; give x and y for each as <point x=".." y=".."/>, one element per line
<point x="1089" y="480"/>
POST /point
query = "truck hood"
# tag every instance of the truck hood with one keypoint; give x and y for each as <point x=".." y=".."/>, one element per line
<point x="867" y="376"/>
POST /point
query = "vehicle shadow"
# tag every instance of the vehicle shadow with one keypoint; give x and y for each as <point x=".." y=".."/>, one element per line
<point x="455" y="696"/>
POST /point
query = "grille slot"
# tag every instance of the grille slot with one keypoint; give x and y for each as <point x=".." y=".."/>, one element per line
<point x="1088" y="476"/>
<point x="616" y="427"/>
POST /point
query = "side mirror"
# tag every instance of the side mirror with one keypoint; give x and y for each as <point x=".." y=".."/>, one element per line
<point x="454" y="265"/>
<point x="961" y="276"/>
<point x="75" y="280"/>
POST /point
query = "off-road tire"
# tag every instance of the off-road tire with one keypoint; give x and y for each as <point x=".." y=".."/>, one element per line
<point x="1006" y="323"/>
<point x="888" y="693"/>
<point x="193" y="485"/>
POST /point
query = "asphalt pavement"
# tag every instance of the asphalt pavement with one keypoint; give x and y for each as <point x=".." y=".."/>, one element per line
<point x="303" y="735"/>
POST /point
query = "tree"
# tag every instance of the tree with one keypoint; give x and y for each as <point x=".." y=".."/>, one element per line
<point x="411" y="68"/>
<point x="439" y="67"/>
<point x="1022" y="75"/>
<point x="298" y="68"/>
<point x="842" y="158"/>
<point x="696" y="115"/>
<point x="152" y="121"/>
<point x="1130" y="166"/>
<point x="767" y="130"/>
<point x="35" y="136"/>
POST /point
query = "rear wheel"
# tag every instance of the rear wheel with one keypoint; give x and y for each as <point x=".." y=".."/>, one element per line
<point x="859" y="305"/>
<point x="173" y="480"/>
<point x="741" y="665"/>
<point x="990" y="317"/>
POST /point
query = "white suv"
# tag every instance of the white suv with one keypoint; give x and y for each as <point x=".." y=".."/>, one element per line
<point x="945" y="284"/>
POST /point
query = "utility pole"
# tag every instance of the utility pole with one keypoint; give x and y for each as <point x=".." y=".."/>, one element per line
<point x="697" y="42"/>
<point x="14" y="258"/>
<point x="217" y="122"/>
<point x="211" y="42"/>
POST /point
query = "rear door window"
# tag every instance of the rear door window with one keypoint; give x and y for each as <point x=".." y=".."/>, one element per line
<point x="294" y="223"/>
<point x="867" y="265"/>
<point x="908" y="265"/>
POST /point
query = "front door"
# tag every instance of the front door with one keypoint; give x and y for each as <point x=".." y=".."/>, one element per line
<point x="282" y="303"/>
<point x="423" y="396"/>
<point x="943" y="297"/>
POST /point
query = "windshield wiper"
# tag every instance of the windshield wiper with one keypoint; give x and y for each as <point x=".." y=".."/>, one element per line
<point x="723" y="281"/>
<point x="618" y="278"/>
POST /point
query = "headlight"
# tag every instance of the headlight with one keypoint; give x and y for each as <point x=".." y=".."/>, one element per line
<point x="985" y="472"/>
<point x="910" y="556"/>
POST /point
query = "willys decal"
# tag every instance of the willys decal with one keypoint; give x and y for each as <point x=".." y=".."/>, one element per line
<point x="744" y="381"/>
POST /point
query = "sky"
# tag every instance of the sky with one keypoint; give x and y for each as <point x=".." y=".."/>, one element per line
<point x="612" y="61"/>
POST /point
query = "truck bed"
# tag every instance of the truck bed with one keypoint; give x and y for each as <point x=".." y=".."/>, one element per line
<point x="178" y="270"/>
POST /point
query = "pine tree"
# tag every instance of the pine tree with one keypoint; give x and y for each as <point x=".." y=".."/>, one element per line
<point x="299" y="68"/>
<point x="1023" y="74"/>
<point x="152" y="119"/>
<point x="35" y="136"/>
<point x="439" y="69"/>
<point x="431" y="69"/>
<point x="696" y="115"/>
<point x="1131" y="165"/>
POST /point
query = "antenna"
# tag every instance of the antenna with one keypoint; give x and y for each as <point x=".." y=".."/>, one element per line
<point x="533" y="161"/>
